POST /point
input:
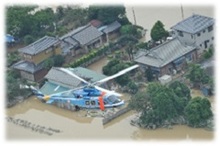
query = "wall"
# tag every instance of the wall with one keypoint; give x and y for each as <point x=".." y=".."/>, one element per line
<point x="38" y="58"/>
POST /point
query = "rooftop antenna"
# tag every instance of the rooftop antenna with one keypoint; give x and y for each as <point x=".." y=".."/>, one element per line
<point x="134" y="16"/>
<point x="182" y="11"/>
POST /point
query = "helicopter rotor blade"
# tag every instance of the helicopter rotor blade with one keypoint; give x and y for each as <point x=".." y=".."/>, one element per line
<point x="107" y="91"/>
<point x="116" y="75"/>
<point x="72" y="74"/>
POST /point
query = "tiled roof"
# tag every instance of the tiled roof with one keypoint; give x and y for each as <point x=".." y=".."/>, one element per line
<point x="61" y="77"/>
<point x="83" y="35"/>
<point x="163" y="54"/>
<point x="40" y="45"/>
<point x="111" y="27"/>
<point x="194" y="24"/>
<point x="51" y="88"/>
<point x="87" y="74"/>
<point x="86" y="35"/>
<point x="28" y="66"/>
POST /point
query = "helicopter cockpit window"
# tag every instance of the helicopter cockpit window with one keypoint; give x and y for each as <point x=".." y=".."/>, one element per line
<point x="113" y="99"/>
<point x="87" y="102"/>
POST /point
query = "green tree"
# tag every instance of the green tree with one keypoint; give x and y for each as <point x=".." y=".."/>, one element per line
<point x="106" y="14"/>
<point x="198" y="111"/>
<point x="28" y="39"/>
<point x="159" y="103"/>
<point x="107" y="69"/>
<point x="158" y="32"/>
<point x="18" y="20"/>
<point x="197" y="75"/>
<point x="133" y="88"/>
<point x="58" y="60"/>
<point x="183" y="95"/>
<point x="48" y="63"/>
<point x="128" y="29"/>
<point x="149" y="74"/>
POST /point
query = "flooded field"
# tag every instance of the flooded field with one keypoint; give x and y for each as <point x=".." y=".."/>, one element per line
<point x="75" y="125"/>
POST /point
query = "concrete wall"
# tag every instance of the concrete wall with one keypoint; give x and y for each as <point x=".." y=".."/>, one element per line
<point x="198" y="39"/>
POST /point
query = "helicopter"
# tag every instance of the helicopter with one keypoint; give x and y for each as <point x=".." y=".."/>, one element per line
<point x="89" y="96"/>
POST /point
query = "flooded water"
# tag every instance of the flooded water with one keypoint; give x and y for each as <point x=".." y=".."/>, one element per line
<point x="75" y="125"/>
<point x="147" y="15"/>
<point x="97" y="66"/>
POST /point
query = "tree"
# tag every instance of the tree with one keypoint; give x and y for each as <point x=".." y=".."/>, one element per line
<point x="198" y="111"/>
<point x="158" y="32"/>
<point x="106" y="14"/>
<point x="149" y="74"/>
<point x="128" y="29"/>
<point x="197" y="75"/>
<point x="133" y="88"/>
<point x="107" y="69"/>
<point x="113" y="67"/>
<point x="18" y="20"/>
<point x="58" y="60"/>
<point x="183" y="95"/>
<point x="159" y="103"/>
<point x="48" y="63"/>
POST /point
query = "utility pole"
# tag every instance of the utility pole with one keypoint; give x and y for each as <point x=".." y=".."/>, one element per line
<point x="134" y="16"/>
<point x="182" y="11"/>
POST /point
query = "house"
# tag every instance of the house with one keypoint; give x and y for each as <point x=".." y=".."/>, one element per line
<point x="196" y="30"/>
<point x="110" y="31"/>
<point x="31" y="66"/>
<point x="58" y="81"/>
<point x="167" y="58"/>
<point x="81" y="40"/>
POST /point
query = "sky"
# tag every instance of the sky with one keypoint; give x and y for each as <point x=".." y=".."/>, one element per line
<point x="88" y="2"/>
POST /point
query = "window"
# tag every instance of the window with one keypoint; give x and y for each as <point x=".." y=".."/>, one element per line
<point x="210" y="28"/>
<point x="27" y="56"/>
<point x="191" y="36"/>
<point x="203" y="31"/>
<point x="87" y="103"/>
<point x="198" y="34"/>
<point x="212" y="38"/>
<point x="180" y="33"/>
<point x="93" y="102"/>
<point x="200" y="45"/>
<point x="189" y="57"/>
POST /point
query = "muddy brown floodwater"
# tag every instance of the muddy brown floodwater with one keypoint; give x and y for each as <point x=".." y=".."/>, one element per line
<point x="75" y="125"/>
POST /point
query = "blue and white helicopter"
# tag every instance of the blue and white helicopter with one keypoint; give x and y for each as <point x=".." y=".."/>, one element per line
<point x="88" y="96"/>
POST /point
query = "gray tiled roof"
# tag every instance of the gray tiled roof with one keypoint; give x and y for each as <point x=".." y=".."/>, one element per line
<point x="28" y="66"/>
<point x="59" y="76"/>
<point x="87" y="74"/>
<point x="82" y="35"/>
<point x="86" y="35"/>
<point x="40" y="45"/>
<point x="194" y="24"/>
<point x="163" y="54"/>
<point x="111" y="27"/>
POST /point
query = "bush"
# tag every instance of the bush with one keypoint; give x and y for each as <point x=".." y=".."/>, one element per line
<point x="28" y="39"/>
<point x="198" y="111"/>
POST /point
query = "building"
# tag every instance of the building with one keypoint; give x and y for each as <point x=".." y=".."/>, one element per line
<point x="33" y="56"/>
<point x="81" y="40"/>
<point x="167" y="58"/>
<point x="196" y="30"/>
<point x="58" y="81"/>
<point x="110" y="31"/>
